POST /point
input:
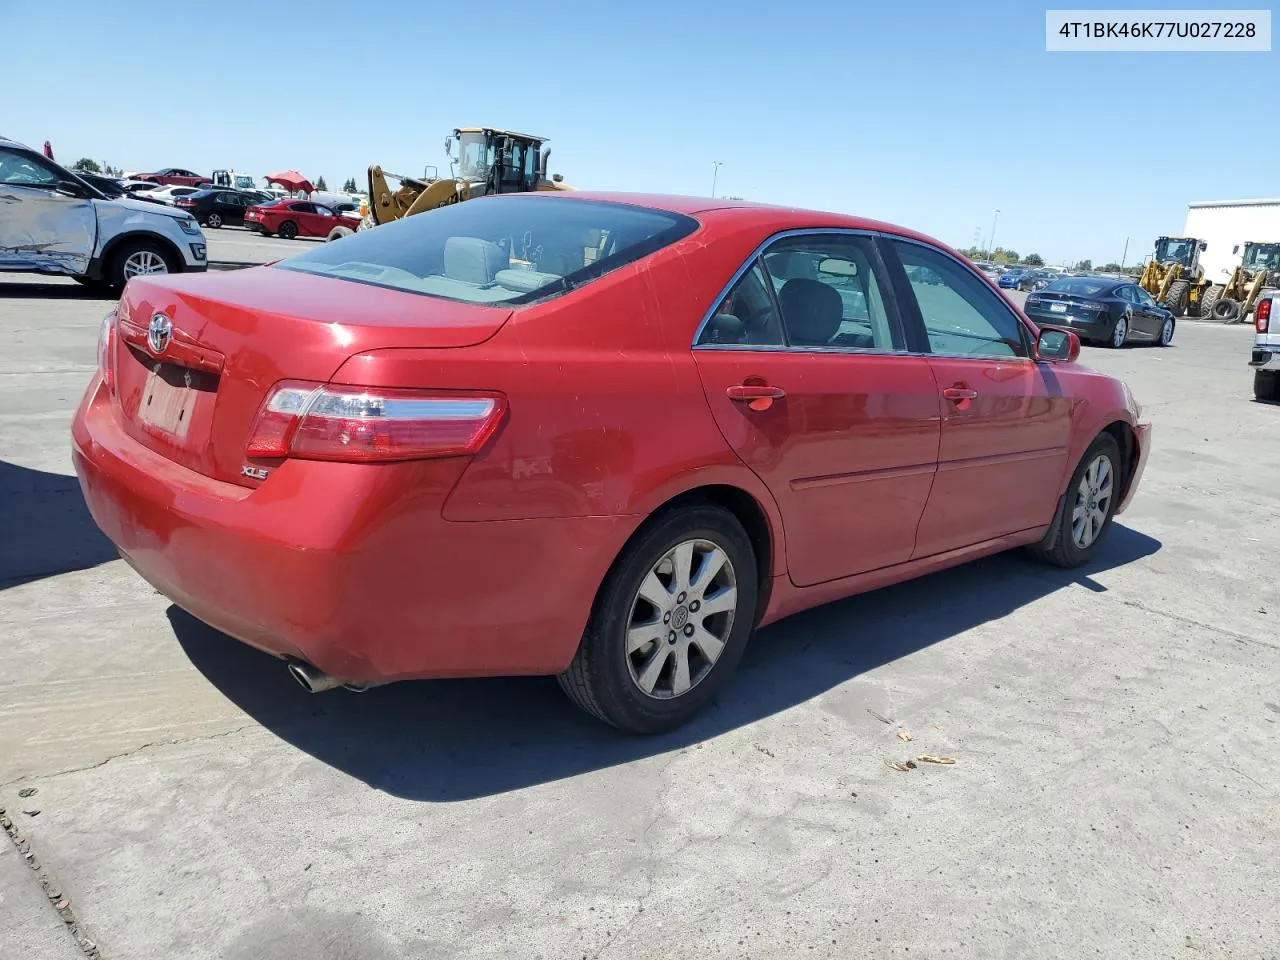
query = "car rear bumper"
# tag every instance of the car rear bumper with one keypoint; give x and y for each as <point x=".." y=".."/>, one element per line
<point x="1085" y="327"/>
<point x="1265" y="357"/>
<point x="349" y="567"/>
<point x="1142" y="449"/>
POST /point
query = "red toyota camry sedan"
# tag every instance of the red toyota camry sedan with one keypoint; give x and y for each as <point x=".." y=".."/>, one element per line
<point x="602" y="437"/>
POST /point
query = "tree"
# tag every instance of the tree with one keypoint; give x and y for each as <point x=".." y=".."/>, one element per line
<point x="85" y="165"/>
<point x="1033" y="260"/>
<point x="1112" y="267"/>
<point x="1085" y="265"/>
<point x="350" y="185"/>
<point x="321" y="185"/>
<point x="1005" y="256"/>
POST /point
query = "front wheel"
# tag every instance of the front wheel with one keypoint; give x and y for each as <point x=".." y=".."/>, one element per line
<point x="1090" y="503"/>
<point x="669" y="624"/>
<point x="213" y="220"/>
<point x="1178" y="298"/>
<point x="1166" y="332"/>
<point x="136" y="259"/>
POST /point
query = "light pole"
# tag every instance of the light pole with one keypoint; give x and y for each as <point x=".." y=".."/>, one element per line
<point x="993" y="233"/>
<point x="715" y="170"/>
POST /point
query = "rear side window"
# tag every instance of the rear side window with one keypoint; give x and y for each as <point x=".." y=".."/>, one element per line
<point x="506" y="249"/>
<point x="962" y="316"/>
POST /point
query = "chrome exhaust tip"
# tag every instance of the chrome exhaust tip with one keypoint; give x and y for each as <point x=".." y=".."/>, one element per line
<point x="312" y="679"/>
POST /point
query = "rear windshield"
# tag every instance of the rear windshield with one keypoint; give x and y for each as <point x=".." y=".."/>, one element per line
<point x="508" y="249"/>
<point x="1079" y="286"/>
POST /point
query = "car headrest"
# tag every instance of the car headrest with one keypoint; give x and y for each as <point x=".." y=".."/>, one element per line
<point x="473" y="260"/>
<point x="811" y="310"/>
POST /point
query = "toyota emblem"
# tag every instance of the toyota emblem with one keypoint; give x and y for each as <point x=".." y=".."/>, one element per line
<point x="159" y="333"/>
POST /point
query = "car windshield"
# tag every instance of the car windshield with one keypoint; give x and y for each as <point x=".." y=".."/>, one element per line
<point x="1077" y="287"/>
<point x="1259" y="256"/>
<point x="505" y="249"/>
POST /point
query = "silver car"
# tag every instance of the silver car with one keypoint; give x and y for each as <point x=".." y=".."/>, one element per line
<point x="53" y="222"/>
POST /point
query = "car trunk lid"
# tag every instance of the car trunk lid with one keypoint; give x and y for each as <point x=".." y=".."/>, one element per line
<point x="190" y="385"/>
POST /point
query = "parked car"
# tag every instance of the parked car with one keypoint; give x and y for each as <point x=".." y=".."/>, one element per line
<point x="1265" y="358"/>
<point x="296" y="218"/>
<point x="1009" y="279"/>
<point x="176" y="177"/>
<point x="54" y="222"/>
<point x="372" y="485"/>
<point x="1113" y="312"/>
<point x="1026" y="279"/>
<point x="139" y="189"/>
<point x="166" y="195"/>
<point x="109" y="186"/>
<point x="214" y="208"/>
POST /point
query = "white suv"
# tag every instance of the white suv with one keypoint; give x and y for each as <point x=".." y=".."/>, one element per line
<point x="51" y="221"/>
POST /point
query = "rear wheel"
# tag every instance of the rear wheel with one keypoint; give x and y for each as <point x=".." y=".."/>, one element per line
<point x="1119" y="332"/>
<point x="669" y="624"/>
<point x="1207" y="301"/>
<point x="337" y="233"/>
<point x="288" y="230"/>
<point x="1178" y="298"/>
<point x="1090" y="503"/>
<point x="1266" y="385"/>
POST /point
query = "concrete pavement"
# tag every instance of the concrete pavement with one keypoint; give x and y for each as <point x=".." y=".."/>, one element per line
<point x="1113" y="792"/>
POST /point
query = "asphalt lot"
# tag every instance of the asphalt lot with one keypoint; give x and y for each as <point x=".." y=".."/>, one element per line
<point x="1114" y="731"/>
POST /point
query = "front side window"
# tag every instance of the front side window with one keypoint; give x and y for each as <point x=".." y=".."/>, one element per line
<point x="21" y="170"/>
<point x="514" y="249"/>
<point x="962" y="316"/>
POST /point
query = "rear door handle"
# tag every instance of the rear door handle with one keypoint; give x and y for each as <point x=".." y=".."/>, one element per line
<point x="754" y="391"/>
<point x="959" y="393"/>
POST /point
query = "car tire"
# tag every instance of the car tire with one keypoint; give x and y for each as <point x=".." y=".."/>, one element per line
<point x="1066" y="544"/>
<point x="287" y="230"/>
<point x="213" y="220"/>
<point x="1119" y="332"/>
<point x="1207" y="301"/>
<point x="1166" y="332"/>
<point x="337" y="233"/>
<point x="1226" y="310"/>
<point x="135" y="258"/>
<point x="1177" y="298"/>
<point x="1266" y="385"/>
<point x="608" y="680"/>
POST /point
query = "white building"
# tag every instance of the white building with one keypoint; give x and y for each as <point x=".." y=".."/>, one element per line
<point x="1227" y="224"/>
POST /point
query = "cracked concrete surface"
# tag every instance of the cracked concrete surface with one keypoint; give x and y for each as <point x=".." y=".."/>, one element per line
<point x="1113" y="792"/>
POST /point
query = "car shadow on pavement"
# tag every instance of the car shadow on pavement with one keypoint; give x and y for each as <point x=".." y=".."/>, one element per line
<point x="45" y="527"/>
<point x="450" y="740"/>
<point x="38" y="290"/>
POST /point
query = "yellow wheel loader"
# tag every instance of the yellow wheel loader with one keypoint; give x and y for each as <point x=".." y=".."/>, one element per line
<point x="488" y="161"/>
<point x="1174" y="276"/>
<point x="1234" y="301"/>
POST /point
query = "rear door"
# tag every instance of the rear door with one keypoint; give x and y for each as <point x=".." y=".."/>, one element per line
<point x="40" y="228"/>
<point x="805" y="366"/>
<point x="1005" y="421"/>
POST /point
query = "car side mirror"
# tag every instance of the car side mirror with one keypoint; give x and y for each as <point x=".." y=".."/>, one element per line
<point x="1057" y="346"/>
<point x="68" y="188"/>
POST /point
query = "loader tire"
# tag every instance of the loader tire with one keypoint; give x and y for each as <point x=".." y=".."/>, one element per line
<point x="1208" y="299"/>
<point x="1226" y="310"/>
<point x="1178" y="297"/>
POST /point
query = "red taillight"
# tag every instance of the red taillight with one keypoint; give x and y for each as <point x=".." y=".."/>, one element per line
<point x="106" y="349"/>
<point x="184" y="202"/>
<point x="311" y="421"/>
<point x="1262" y="315"/>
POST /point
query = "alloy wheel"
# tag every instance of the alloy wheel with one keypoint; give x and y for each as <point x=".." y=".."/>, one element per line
<point x="1166" y="333"/>
<point x="1093" y="501"/>
<point x="1120" y="332"/>
<point x="142" y="262"/>
<point x="681" y="619"/>
<point x="214" y="220"/>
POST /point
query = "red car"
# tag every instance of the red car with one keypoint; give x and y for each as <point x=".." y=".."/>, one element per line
<point x="597" y="436"/>
<point x="175" y="177"/>
<point x="296" y="218"/>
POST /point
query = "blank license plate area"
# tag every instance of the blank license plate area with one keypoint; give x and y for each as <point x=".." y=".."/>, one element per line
<point x="1057" y="308"/>
<point x="170" y="397"/>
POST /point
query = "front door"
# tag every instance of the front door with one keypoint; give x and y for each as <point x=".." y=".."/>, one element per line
<point x="804" y="365"/>
<point x="41" y="229"/>
<point x="1148" y="316"/>
<point x="1005" y="422"/>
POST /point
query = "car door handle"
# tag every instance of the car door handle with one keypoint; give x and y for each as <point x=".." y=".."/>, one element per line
<point x="754" y="391"/>
<point x="959" y="394"/>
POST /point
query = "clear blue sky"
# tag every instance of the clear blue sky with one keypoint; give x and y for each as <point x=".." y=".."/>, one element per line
<point x="932" y="115"/>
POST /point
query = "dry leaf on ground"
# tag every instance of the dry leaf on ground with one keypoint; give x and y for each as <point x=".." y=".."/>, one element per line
<point x="904" y="735"/>
<point x="927" y="758"/>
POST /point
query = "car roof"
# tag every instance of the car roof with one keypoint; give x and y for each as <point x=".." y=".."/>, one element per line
<point x="740" y="213"/>
<point x="1107" y="283"/>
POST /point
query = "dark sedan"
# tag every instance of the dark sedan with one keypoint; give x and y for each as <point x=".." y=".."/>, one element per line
<point x="214" y="208"/>
<point x="1103" y="310"/>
